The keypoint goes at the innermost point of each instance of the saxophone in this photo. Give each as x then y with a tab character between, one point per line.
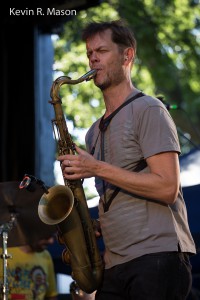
66	207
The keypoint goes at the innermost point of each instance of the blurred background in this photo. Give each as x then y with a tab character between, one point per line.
40	40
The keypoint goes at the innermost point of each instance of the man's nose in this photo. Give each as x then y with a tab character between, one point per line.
94	57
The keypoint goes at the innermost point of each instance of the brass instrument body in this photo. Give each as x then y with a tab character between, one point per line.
66	206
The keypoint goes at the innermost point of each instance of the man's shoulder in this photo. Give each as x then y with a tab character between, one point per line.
146	102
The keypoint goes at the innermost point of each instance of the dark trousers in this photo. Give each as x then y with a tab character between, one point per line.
157	276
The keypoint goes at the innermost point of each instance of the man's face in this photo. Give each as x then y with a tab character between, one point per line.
105	57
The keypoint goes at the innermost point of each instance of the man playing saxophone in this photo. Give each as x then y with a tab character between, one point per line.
132	151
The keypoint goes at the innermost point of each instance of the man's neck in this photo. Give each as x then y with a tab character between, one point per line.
115	96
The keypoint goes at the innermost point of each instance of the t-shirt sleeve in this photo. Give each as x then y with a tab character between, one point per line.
157	132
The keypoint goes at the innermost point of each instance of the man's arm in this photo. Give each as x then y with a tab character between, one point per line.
162	183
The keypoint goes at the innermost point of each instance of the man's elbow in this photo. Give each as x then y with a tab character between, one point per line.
171	193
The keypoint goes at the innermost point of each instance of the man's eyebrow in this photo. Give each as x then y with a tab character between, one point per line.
97	49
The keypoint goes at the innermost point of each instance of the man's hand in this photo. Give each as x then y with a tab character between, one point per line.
77	166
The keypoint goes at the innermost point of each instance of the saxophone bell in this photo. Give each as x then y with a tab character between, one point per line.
55	206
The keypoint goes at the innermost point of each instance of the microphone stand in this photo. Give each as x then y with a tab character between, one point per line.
4	229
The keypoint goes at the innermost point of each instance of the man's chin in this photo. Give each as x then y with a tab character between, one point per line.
99	83
101	86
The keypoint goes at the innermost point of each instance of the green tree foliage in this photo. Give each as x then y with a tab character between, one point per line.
168	38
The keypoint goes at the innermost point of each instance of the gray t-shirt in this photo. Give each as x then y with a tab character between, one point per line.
135	226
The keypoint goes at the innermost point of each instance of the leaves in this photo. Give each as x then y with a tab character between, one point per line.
167	63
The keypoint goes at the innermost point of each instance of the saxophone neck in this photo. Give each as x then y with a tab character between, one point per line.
67	80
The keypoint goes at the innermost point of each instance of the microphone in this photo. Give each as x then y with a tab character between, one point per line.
175	107
29	181
167	105
171	106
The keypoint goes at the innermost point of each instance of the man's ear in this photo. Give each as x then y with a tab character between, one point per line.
129	54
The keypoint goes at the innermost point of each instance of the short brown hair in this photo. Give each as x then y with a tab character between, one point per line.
121	34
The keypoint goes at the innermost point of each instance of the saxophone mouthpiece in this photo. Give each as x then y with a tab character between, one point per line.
89	75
